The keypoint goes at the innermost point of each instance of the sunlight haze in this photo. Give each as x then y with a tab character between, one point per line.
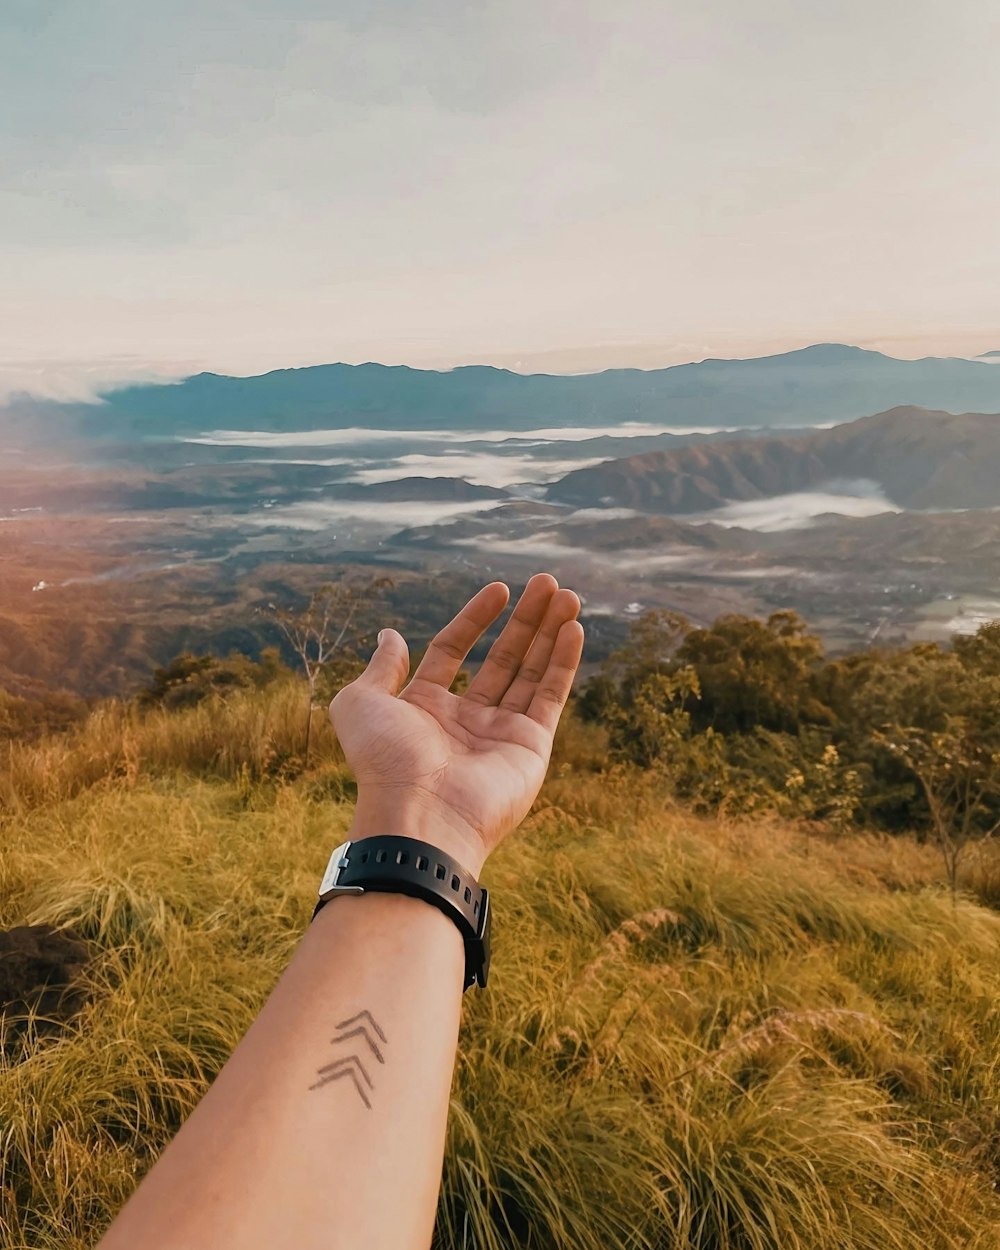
545	186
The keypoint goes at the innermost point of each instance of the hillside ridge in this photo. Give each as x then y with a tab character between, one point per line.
918	457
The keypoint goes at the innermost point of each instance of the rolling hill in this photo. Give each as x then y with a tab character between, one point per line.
920	459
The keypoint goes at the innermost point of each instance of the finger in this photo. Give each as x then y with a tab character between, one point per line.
448	648
563	606
553	690
500	667
389	664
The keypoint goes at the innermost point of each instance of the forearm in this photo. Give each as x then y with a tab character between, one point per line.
314	1134
326	1127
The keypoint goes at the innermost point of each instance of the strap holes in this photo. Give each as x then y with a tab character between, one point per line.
422	862
468	895
364	857
441	872
381	857
475	908
402	857
455	883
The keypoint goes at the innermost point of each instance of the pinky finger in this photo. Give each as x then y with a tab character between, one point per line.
553	690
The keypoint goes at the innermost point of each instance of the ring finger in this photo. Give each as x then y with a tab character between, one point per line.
564	606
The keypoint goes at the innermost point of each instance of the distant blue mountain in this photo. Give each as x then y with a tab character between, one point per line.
829	382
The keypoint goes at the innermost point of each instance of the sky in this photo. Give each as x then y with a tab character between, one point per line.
550	185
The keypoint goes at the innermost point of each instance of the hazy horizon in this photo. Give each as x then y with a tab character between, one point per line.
80	380
545	186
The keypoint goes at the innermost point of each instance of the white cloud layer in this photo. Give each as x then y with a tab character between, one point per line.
481	469
354	435
546	546
974	615
83	381
788	512
325	515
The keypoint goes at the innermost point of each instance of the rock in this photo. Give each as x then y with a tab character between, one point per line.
40	970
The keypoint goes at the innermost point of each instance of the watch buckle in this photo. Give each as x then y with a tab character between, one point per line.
328	887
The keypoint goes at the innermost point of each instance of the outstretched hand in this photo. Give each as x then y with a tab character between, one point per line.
461	771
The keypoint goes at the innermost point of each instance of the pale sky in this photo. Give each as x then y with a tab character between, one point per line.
544	184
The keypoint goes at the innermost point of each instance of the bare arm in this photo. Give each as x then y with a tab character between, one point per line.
326	1127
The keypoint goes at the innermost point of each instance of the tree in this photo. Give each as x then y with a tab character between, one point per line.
649	650
651	647
824	789
336	619
648	730
959	775
188	678
755	673
939	721
29	718
981	651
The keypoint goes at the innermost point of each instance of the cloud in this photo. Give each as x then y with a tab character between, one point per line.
320	516
601	514
482	469
77	381
546	546
973	616
303	438
794	511
361	434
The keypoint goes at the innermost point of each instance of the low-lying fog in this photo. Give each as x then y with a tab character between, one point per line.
782	512
357	434
479	468
324	514
521	463
788	512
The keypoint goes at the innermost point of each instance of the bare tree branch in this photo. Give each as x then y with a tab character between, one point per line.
326	626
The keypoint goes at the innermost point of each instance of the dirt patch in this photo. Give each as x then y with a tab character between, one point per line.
41	972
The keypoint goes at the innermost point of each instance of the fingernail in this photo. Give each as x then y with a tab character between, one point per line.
378	640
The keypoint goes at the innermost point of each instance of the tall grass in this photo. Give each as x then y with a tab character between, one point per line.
245	735
696	1036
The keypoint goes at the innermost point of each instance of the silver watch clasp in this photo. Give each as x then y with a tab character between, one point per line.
328	887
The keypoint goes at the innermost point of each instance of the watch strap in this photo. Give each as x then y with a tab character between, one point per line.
390	863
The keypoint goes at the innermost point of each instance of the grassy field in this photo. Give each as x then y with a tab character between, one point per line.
696	1037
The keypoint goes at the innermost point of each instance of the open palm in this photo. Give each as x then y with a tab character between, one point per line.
462	771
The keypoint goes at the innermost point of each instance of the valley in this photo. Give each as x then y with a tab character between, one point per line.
120	547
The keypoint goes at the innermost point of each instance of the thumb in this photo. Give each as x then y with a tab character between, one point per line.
390	663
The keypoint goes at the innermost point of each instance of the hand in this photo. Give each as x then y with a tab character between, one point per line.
461	771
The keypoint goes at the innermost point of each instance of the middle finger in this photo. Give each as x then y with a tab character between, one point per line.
499	668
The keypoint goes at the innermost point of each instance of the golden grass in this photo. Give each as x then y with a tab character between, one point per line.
696	1037
245	736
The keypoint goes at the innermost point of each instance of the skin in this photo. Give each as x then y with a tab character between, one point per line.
326	1127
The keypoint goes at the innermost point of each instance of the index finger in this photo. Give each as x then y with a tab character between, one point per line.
449	647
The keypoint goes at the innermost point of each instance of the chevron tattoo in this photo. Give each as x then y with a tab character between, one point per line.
365	1026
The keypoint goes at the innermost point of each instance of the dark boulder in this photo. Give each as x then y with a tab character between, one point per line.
41	971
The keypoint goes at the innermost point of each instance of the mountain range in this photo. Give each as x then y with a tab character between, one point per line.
817	385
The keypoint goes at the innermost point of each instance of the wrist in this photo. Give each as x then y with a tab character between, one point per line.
406	816
395	863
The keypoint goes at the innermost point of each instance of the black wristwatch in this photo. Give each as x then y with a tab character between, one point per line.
406	866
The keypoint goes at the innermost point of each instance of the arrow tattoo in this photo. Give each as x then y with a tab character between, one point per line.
350	1065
